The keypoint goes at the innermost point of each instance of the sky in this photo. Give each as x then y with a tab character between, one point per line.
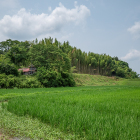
109	27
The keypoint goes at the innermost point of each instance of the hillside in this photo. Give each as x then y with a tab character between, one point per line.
53	54
98	80
54	62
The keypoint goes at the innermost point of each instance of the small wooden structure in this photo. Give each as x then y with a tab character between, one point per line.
28	71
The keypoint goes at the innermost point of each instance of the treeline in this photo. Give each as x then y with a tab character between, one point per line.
53	65
59	57
91	63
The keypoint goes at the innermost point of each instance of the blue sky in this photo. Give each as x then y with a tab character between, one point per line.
99	26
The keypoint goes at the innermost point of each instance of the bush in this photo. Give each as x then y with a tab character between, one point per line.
8	69
27	82
120	72
68	80
7	81
10	81
51	78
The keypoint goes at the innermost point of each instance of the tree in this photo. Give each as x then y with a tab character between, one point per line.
51	78
49	56
18	54
61	57
8	69
120	72
6	45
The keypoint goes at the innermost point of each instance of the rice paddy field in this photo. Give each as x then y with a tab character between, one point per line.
88	113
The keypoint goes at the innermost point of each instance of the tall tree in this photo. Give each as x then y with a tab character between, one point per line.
49	56
18	55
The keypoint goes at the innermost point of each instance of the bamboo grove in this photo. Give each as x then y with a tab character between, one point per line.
62	56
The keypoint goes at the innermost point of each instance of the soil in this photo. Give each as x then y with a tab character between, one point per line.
3	137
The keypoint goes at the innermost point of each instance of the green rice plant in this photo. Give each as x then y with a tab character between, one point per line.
87	112
25	127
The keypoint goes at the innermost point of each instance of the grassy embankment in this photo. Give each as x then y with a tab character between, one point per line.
80	79
95	80
100	112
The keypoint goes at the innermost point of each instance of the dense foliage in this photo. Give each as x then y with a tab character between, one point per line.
49	56
18	54
58	58
8	69
51	78
11	81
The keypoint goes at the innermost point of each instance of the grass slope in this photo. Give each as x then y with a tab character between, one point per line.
98	80
94	80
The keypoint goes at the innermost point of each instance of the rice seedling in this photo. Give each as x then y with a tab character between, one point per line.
86	112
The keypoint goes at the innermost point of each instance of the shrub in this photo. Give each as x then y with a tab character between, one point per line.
27	82
8	69
68	80
51	78
11	81
7	81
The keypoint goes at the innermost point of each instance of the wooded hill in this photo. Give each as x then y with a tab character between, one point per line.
52	54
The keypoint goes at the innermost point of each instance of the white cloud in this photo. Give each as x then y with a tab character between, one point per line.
25	25
50	8
132	55
75	3
135	30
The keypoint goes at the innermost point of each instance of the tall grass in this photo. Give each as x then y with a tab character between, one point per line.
95	80
90	113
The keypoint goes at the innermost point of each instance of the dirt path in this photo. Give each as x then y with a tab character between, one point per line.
3	137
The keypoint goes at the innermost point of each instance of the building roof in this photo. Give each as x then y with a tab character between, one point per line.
26	69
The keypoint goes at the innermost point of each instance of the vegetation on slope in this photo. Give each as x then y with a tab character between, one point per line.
95	80
61	57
